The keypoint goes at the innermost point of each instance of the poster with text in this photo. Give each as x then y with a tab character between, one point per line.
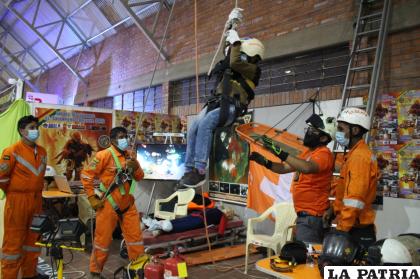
409	169
408	106
71	137
150	123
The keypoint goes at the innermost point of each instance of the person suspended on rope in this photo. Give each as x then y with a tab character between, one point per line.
313	175
237	75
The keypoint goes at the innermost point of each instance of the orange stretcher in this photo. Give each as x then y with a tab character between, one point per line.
253	133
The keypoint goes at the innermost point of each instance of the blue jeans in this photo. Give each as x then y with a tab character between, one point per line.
200	137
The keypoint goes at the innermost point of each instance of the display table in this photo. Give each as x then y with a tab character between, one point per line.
55	193
301	271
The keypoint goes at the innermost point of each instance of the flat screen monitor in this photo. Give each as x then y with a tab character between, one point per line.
162	161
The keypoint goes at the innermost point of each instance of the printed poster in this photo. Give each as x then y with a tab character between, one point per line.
409	169
409	117
151	123
72	137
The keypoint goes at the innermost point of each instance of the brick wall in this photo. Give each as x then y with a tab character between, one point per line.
129	55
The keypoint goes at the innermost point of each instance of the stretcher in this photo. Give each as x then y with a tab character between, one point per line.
193	240
253	133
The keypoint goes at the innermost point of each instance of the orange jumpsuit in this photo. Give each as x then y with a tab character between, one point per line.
22	169
103	166
356	189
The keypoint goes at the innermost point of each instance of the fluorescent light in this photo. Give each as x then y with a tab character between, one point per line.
287	71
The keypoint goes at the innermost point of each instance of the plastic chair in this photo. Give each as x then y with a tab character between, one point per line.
285	217
180	208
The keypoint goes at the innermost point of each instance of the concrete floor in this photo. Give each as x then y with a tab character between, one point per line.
80	262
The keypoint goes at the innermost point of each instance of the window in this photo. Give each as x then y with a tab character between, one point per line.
183	92
134	101
313	69
319	68
102	103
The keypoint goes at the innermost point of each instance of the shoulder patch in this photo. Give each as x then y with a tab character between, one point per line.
6	157
4	167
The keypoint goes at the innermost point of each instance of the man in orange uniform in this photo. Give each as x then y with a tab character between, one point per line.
22	168
118	171
356	189
311	185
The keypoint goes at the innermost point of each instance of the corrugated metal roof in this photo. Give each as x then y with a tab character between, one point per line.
87	22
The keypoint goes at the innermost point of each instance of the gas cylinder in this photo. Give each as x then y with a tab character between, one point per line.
171	266
154	269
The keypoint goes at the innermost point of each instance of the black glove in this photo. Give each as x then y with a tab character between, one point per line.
274	148
260	159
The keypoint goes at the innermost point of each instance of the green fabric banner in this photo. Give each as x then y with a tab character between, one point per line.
8	122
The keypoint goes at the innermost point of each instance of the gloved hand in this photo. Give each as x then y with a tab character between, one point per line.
2	195
235	14
232	36
260	159
95	202
132	164
328	217
274	148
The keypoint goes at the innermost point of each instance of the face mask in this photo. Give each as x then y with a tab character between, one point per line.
341	139
122	144
311	140
33	135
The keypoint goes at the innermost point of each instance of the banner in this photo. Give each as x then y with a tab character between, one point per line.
228	169
266	187
395	139
71	137
151	123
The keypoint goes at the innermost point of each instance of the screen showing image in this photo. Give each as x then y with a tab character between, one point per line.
162	161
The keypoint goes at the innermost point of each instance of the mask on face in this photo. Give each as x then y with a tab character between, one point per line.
122	144
341	139
311	140
33	135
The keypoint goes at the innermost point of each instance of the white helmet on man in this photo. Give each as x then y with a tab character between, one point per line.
394	252
355	116
252	47
49	172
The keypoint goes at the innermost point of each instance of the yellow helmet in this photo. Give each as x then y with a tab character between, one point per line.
252	47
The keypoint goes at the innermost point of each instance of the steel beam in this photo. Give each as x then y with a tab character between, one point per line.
16	60
143	29
17	74
43	39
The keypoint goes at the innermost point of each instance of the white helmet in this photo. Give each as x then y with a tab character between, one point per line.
394	252
49	172
327	124
252	47
355	116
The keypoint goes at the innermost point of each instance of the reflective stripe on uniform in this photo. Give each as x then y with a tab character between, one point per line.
105	250
134	243
10	257
4	180
86	177
31	249
354	203
22	161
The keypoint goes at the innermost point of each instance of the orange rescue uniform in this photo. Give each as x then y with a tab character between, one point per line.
310	191
22	169
103	166
356	189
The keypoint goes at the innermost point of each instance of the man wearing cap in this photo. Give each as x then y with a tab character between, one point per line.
311	185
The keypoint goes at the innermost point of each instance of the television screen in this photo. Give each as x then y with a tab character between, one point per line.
162	161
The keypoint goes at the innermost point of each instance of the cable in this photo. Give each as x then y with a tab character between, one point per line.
196	58
82	273
153	75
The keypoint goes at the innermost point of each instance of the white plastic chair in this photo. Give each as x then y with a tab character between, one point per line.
180	208
285	218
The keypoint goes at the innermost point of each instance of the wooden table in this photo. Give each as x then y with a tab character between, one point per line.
301	271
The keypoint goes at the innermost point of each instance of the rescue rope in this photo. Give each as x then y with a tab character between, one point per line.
220	43
197	109
153	76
